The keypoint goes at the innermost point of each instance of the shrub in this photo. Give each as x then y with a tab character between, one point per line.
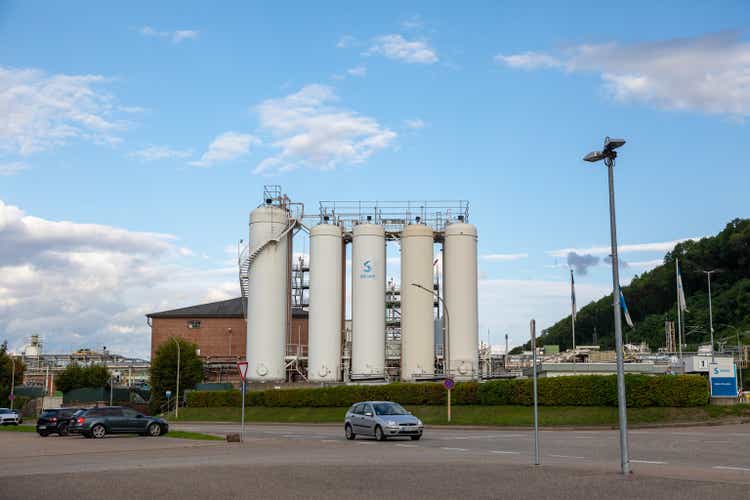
583	390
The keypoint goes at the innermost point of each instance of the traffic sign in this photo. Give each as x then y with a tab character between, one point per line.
169	394
12	397
242	367
449	383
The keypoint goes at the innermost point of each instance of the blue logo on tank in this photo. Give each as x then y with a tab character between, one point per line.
366	271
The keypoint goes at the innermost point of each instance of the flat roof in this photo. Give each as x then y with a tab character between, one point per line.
232	308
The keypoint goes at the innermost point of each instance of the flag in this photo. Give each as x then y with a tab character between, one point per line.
624	308
680	290
573	295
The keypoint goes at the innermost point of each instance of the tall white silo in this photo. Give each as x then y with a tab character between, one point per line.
417	305
324	351
460	284
268	294
368	301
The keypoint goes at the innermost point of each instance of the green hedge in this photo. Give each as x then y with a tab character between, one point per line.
583	390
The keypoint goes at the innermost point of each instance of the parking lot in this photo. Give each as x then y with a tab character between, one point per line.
283	461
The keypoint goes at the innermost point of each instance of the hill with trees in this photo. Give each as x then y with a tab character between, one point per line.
651	297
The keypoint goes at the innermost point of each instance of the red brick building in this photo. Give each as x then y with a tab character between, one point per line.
219	330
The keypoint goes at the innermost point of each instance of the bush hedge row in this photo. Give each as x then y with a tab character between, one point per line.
583	390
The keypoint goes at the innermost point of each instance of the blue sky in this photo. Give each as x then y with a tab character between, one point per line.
160	124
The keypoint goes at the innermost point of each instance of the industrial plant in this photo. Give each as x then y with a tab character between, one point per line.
423	327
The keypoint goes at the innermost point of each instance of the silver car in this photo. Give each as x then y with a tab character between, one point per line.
381	419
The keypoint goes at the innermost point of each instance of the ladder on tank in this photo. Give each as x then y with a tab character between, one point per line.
246	258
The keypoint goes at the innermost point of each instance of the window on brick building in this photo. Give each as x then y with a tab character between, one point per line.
193	323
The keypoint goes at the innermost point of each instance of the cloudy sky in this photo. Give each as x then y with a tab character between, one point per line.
135	139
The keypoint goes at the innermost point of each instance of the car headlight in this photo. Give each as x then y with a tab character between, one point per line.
419	422
392	423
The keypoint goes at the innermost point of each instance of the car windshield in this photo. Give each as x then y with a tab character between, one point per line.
389	409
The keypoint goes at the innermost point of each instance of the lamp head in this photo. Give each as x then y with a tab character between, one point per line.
612	144
594	156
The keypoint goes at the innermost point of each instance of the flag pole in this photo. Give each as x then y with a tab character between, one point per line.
679	305
573	308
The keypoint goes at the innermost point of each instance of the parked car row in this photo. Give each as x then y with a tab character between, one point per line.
98	422
10	417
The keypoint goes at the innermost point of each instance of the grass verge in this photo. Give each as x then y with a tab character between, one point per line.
482	415
193	435
18	428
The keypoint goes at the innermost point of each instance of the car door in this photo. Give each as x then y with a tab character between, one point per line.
134	420
368	419
116	421
357	422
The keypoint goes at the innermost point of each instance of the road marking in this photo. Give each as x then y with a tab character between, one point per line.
727	467
566	456
717	442
454	449
329	441
407	445
655	462
293	436
581	437
501	452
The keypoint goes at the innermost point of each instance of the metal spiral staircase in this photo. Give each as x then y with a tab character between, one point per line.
247	257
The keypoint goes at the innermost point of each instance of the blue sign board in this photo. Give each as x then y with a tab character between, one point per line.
723	378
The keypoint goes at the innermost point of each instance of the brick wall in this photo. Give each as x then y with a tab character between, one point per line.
213	337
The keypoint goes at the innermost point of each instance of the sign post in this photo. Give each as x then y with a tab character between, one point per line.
168	394
536	400
448	384
242	367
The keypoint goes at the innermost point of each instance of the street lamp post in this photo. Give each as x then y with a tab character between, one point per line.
12	381
177	390
446	334
608	154
710	311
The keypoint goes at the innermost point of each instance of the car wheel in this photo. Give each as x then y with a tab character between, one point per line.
349	432
154	430
62	430
44	434
379	435
416	438
98	431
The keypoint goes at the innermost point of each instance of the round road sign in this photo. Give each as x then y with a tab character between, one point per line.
449	383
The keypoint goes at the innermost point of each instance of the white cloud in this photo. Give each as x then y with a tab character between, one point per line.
88	285
41	111
504	257
153	153
228	146
398	48
415	123
345	41
12	168
357	71
309	131
707	73
663	247
175	36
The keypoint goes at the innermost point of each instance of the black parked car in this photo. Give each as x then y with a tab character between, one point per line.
97	422
55	421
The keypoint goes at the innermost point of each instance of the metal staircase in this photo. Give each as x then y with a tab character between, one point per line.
246	257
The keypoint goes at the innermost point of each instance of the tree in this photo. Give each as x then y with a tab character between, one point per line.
164	370
76	376
6	373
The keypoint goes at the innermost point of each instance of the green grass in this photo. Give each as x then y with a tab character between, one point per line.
482	415
18	428
193	435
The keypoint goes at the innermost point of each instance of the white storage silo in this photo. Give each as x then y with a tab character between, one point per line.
417	305
460	284
268	294
324	351
368	301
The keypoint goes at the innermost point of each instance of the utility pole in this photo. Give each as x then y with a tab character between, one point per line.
12	381
710	311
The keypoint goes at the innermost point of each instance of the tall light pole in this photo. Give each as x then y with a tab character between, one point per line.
446	335
12	381
608	154
177	390
710	311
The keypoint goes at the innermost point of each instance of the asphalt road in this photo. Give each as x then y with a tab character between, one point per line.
307	461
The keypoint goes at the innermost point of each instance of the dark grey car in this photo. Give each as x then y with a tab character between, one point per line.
97	422
381	419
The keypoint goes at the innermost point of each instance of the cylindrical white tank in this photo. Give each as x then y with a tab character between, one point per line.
268	294
417	316
368	301
460	284
324	351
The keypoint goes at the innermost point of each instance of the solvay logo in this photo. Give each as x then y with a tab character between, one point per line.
716	370
366	270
